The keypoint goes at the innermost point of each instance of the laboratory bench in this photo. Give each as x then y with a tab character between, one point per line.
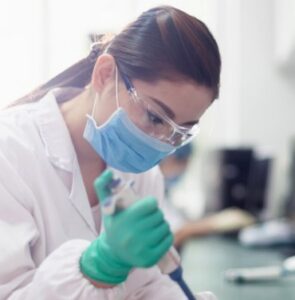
206	259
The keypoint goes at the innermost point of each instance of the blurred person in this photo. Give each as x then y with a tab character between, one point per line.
132	101
227	220
173	168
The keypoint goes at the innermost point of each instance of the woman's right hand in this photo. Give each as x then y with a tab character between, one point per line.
135	237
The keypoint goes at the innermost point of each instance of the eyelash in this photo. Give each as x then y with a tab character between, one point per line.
153	118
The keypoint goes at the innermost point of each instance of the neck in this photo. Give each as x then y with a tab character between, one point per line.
74	113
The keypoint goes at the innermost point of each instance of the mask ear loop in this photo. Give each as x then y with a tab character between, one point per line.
116	87
116	91
94	105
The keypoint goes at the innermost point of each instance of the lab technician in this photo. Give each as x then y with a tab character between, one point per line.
130	103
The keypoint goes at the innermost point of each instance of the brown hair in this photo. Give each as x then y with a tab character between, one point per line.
161	42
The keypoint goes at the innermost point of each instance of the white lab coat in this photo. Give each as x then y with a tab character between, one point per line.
46	221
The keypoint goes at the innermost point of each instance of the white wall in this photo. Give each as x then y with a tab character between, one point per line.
257	100
267	94
22	61
72	21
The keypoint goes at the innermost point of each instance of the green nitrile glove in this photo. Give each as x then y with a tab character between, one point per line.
135	237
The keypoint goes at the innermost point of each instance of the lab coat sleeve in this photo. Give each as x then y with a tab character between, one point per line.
156	286
58	277
22	277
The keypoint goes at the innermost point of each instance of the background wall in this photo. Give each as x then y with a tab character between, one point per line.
257	102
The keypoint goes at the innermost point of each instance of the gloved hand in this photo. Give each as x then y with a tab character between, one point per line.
135	237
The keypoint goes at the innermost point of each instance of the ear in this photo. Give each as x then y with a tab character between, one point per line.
103	71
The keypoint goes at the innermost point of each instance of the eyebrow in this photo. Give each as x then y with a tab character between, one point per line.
171	114
167	110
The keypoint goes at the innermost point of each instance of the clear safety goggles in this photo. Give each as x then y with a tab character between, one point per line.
151	119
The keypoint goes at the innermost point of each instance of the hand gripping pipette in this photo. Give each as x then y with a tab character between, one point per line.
121	195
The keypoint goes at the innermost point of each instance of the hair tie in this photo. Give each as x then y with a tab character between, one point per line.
95	50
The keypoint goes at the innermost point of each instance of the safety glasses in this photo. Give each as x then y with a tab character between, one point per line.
151	118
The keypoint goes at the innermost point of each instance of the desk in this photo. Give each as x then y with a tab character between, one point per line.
206	259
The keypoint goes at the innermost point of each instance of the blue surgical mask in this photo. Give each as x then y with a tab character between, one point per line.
123	146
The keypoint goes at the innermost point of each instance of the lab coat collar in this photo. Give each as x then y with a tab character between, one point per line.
54	133
61	153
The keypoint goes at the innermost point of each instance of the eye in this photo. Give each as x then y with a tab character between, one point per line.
153	118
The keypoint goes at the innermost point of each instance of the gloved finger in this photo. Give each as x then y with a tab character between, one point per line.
158	235
101	185
161	249
205	296
151	221
143	207
139	210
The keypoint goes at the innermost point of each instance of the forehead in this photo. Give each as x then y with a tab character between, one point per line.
186	99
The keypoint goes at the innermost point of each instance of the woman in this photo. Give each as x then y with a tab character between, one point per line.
130	103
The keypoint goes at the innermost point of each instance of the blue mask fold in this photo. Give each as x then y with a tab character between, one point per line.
123	146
